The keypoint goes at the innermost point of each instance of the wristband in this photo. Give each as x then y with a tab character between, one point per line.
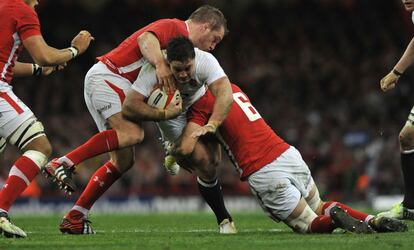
211	125
36	70
74	51
397	72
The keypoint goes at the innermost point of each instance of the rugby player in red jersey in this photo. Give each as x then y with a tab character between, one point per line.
275	171
20	28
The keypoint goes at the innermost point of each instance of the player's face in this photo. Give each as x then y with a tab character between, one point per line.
208	38
408	4
183	71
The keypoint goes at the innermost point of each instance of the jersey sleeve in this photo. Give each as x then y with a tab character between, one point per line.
208	69
164	30
200	111
27	22
146	80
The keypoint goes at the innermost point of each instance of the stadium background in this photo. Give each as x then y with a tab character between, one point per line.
312	69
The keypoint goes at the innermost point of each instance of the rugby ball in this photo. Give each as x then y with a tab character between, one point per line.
160	99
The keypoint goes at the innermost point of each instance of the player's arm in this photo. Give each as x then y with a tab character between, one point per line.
31	69
389	81
221	90
136	109
151	49
45	55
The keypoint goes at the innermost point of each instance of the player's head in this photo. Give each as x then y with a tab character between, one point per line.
408	4
31	3
210	26
180	56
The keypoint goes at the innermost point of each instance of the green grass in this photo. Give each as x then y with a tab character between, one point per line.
191	231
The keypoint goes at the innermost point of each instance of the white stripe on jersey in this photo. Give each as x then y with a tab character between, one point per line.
412	16
132	66
16	45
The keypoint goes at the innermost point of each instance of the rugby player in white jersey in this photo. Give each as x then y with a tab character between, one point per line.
194	71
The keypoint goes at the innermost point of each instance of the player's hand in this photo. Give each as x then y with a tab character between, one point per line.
50	69
173	109
165	77
208	128
389	81
81	41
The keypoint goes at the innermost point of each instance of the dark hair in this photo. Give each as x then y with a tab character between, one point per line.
180	49
211	15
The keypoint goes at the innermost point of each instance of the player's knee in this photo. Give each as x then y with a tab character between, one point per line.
130	136
37	157
406	139
183	150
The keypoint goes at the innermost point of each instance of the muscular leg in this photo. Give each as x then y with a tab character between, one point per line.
120	162
24	170
407	161
205	158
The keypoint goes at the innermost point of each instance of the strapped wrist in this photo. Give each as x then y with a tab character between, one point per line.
36	69
74	51
396	72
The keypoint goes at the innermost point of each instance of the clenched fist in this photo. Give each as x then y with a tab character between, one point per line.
389	81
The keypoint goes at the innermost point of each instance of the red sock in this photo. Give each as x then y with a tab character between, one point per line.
322	224
100	181
20	176
354	213
103	142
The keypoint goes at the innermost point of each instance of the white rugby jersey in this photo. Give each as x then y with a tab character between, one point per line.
207	70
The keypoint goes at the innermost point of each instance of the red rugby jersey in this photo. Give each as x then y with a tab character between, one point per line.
126	59
17	22
251	142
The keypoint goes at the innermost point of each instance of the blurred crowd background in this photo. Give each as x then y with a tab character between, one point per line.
311	68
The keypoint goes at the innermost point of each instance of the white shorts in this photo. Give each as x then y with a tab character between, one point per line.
172	129
104	93
280	184
13	112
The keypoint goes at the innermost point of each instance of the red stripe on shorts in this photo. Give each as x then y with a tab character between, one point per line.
117	90
10	101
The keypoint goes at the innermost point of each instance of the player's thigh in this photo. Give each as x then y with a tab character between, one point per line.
104	94
276	195
123	159
407	133
172	129
13	112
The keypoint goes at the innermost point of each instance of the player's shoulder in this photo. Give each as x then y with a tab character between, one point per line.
203	57
20	6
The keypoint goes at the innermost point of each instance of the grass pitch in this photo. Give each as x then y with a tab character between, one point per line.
192	231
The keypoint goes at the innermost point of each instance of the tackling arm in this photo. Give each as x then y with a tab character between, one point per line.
221	90
151	49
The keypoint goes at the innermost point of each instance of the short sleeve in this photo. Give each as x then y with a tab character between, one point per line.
146	80
208	68
200	111
27	22
165	30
